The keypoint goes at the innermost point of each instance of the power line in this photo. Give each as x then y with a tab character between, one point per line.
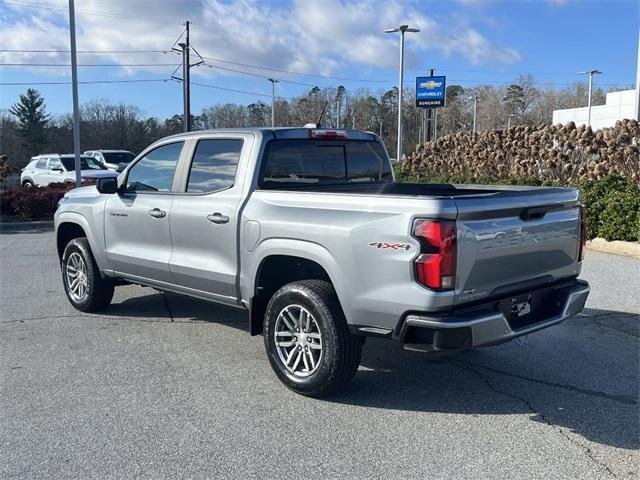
246	92
87	64
146	80
84	51
258	75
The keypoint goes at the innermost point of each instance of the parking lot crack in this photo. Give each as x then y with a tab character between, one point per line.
167	305
587	451
625	399
599	322
48	317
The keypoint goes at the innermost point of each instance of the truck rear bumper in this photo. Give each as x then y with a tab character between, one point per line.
491	324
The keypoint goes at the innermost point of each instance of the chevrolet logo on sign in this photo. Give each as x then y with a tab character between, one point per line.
431	91
430	84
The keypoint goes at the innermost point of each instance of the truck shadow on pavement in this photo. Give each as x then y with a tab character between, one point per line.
581	376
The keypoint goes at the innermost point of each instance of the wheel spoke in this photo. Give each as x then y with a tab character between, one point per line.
314	335
290	356
304	359
285	344
313	361
295	364
284	334
293	319
315	346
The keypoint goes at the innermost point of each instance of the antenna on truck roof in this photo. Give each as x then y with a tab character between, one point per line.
322	114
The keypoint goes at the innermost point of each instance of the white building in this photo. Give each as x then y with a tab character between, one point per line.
619	105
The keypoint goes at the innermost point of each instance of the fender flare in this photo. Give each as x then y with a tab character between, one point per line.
97	247
294	248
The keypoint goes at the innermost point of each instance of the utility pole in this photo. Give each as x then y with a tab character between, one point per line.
273	101
186	51
337	112
74	89
591	73
402	29
185	48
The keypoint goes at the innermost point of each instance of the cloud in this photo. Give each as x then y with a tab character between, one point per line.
299	35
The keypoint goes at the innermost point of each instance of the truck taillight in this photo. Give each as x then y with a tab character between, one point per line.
436	265
583	233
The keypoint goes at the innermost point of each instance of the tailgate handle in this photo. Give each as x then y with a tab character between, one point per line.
534	213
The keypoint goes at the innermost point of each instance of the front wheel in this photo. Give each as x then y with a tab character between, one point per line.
307	340
85	288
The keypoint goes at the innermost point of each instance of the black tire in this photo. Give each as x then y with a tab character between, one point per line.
341	350
99	291
27	184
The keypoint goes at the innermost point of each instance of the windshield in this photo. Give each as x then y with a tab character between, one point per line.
118	157
322	161
86	163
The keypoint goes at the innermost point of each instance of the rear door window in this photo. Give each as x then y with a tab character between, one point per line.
214	165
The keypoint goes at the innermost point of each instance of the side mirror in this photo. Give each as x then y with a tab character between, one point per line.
107	185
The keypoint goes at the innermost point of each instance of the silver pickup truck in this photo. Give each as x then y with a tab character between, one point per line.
306	230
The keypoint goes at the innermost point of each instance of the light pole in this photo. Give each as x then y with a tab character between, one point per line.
402	29
475	112
273	101
74	91
591	73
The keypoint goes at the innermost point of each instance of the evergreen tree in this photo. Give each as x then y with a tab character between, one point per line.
32	120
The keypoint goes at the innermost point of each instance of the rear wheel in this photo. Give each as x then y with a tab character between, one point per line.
85	288
307	340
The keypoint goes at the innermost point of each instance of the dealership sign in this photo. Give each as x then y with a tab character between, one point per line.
430	91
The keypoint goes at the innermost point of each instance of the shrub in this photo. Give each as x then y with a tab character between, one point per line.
613	208
33	203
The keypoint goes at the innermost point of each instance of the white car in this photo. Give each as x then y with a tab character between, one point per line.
54	168
112	159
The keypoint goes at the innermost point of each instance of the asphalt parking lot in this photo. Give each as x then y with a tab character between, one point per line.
165	386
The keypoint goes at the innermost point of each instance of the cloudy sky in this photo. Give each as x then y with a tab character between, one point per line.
305	43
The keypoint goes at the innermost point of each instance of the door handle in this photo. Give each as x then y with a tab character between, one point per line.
217	218
157	213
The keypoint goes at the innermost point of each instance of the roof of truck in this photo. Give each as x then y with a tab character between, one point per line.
278	132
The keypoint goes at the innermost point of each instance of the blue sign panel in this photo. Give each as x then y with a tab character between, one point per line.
431	91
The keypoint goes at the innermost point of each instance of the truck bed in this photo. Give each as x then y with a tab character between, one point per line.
417	189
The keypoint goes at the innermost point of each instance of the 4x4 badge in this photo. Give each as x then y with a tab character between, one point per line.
391	246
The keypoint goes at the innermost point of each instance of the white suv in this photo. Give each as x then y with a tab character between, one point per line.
54	168
112	159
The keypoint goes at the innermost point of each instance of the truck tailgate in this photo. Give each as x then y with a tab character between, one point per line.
514	240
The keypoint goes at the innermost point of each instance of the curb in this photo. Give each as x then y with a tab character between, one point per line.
26	226
617	247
